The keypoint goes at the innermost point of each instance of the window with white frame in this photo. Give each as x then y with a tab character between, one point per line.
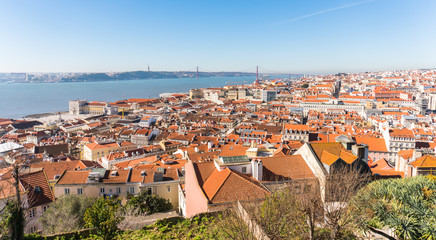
67	191
102	190
79	191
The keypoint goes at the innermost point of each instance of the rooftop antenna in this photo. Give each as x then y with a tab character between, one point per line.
197	72
148	67
257	73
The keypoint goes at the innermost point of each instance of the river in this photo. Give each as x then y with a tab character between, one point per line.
20	99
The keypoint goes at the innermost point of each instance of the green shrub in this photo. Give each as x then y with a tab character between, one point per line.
149	204
405	205
103	217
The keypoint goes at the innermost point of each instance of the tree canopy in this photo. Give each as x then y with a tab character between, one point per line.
66	214
103	216
149	204
407	206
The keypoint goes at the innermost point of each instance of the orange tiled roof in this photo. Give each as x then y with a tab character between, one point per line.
117	176
57	168
427	161
94	145
406	154
170	174
203	171
203	156
328	158
381	164
387	173
230	186
297	127
142	131
286	167
215	181
233	150
6	186
374	144
126	143
135	162
328	153
74	177
32	181
347	157
333	148
401	133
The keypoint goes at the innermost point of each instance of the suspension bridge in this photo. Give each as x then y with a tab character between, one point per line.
258	71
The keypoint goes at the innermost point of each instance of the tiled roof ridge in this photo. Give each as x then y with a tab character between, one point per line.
51	191
420	161
347	154
35	179
328	154
246	178
325	143
222	184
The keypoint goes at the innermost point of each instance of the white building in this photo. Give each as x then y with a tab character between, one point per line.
432	101
398	140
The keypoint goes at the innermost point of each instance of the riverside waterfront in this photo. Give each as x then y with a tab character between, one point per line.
20	99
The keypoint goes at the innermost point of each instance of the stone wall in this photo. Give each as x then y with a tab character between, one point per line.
252	225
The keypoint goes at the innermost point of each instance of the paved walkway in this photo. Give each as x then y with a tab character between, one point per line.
138	222
150	219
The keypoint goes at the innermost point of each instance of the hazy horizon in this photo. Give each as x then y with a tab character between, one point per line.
254	72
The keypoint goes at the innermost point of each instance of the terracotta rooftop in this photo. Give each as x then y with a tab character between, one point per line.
374	144
381	164
233	150
334	148
230	186
39	192
74	177
406	154
426	161
289	167
53	169
328	158
6	187
203	171
382	168
94	145
401	133
117	176
328	153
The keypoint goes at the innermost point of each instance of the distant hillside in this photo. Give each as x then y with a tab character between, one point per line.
91	77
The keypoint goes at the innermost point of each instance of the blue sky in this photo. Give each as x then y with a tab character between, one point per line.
304	36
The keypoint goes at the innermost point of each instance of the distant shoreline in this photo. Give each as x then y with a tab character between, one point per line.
40	115
43	99
121	76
